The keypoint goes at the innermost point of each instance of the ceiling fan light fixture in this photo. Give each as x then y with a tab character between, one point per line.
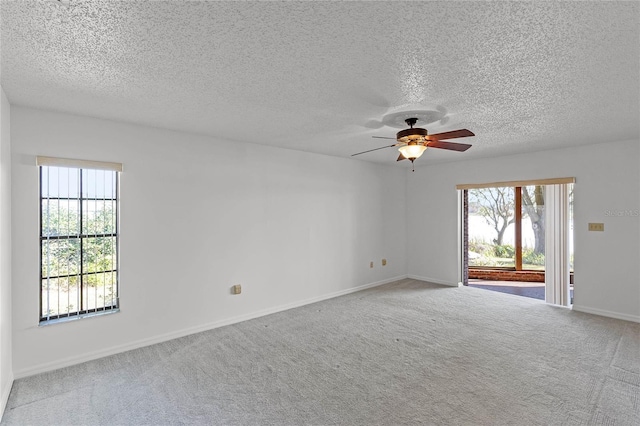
411	152
412	135
413	142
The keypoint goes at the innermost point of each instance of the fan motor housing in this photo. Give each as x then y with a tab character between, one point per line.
412	135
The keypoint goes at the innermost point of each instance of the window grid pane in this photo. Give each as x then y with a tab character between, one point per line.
78	242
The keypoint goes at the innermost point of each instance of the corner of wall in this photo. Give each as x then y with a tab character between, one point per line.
6	335
4	395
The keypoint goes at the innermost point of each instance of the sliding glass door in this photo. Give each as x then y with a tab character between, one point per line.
519	232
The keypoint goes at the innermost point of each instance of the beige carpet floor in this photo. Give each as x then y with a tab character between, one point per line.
404	353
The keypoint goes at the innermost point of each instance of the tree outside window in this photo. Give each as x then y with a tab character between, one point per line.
493	224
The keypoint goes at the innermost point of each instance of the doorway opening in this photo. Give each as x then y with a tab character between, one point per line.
510	230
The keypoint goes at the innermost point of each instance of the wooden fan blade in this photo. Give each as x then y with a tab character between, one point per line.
374	149
382	137
401	157
452	146
462	133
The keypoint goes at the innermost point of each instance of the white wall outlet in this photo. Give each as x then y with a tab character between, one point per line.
236	289
384	262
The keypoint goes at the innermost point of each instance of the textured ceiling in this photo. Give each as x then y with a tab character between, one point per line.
326	76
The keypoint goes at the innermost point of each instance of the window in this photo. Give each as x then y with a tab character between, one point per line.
492	216
78	239
506	227
506	224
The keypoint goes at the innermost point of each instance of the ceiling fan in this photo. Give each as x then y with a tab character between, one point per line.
412	142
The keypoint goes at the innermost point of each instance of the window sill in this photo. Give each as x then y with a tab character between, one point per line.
78	317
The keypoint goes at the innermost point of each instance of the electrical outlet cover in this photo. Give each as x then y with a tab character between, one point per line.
596	227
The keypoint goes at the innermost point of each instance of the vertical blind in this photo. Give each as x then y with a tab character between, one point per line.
557	260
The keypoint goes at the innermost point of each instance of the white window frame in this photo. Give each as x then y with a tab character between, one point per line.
46	317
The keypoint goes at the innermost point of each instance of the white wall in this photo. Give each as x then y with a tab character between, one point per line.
197	216
607	276
6	369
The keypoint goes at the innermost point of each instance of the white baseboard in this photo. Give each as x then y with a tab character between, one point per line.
603	313
433	280
6	390
41	368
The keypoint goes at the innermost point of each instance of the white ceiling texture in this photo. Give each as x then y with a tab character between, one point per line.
326	76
